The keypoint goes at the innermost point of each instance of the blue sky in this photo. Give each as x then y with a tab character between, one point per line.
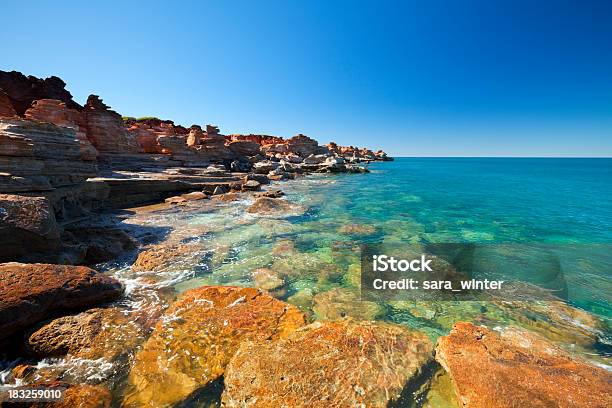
416	78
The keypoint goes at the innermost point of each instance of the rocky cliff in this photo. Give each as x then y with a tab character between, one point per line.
78	159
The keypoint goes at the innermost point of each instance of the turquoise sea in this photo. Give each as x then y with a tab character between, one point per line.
525	215
546	211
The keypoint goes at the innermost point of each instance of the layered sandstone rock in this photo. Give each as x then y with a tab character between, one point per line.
262	140
518	368
41	154
158	257
147	130
196	338
56	112
106	129
30	292
331	364
27	224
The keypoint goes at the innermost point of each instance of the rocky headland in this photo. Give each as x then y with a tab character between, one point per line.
70	174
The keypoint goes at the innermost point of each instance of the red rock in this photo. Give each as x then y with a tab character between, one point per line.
23	90
195	136
106	130
196	338
43	151
244	148
261	140
29	293
6	108
331	364
93	334
274	207
518	369
56	112
27	224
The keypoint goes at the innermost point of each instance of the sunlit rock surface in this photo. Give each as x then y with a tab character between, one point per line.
196	338
332	364
518	368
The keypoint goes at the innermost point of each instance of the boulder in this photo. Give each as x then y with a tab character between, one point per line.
327	364
93	334
240	166
315	159
261	178
196	338
264	167
274	207
275	193
27	224
251	185
31	292
517	368
97	244
304	146
221	189
157	257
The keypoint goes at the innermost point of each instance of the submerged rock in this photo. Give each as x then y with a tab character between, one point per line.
330	364
357	229
518	368
29	293
157	257
338	303
266	279
274	207
195	339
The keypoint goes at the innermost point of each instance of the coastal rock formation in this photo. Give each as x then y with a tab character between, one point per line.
6	107
274	207
518	368
330	364
30	292
106	129
197	336
147	130
23	90
93	334
42	155
27	224
56	112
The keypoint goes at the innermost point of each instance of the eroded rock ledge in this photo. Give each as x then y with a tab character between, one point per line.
75	160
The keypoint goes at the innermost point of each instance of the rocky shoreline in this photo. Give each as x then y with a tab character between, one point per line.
69	173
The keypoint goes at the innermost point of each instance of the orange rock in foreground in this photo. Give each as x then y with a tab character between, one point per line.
331	364
196	338
518	369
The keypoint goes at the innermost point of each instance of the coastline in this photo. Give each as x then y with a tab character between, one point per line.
216	301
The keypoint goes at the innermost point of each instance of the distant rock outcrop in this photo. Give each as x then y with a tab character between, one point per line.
106	129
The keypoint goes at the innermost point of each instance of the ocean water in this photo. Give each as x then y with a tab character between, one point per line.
523	213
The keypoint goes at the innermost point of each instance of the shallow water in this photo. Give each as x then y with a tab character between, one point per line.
563	203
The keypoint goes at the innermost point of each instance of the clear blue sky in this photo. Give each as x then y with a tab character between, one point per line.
416	78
